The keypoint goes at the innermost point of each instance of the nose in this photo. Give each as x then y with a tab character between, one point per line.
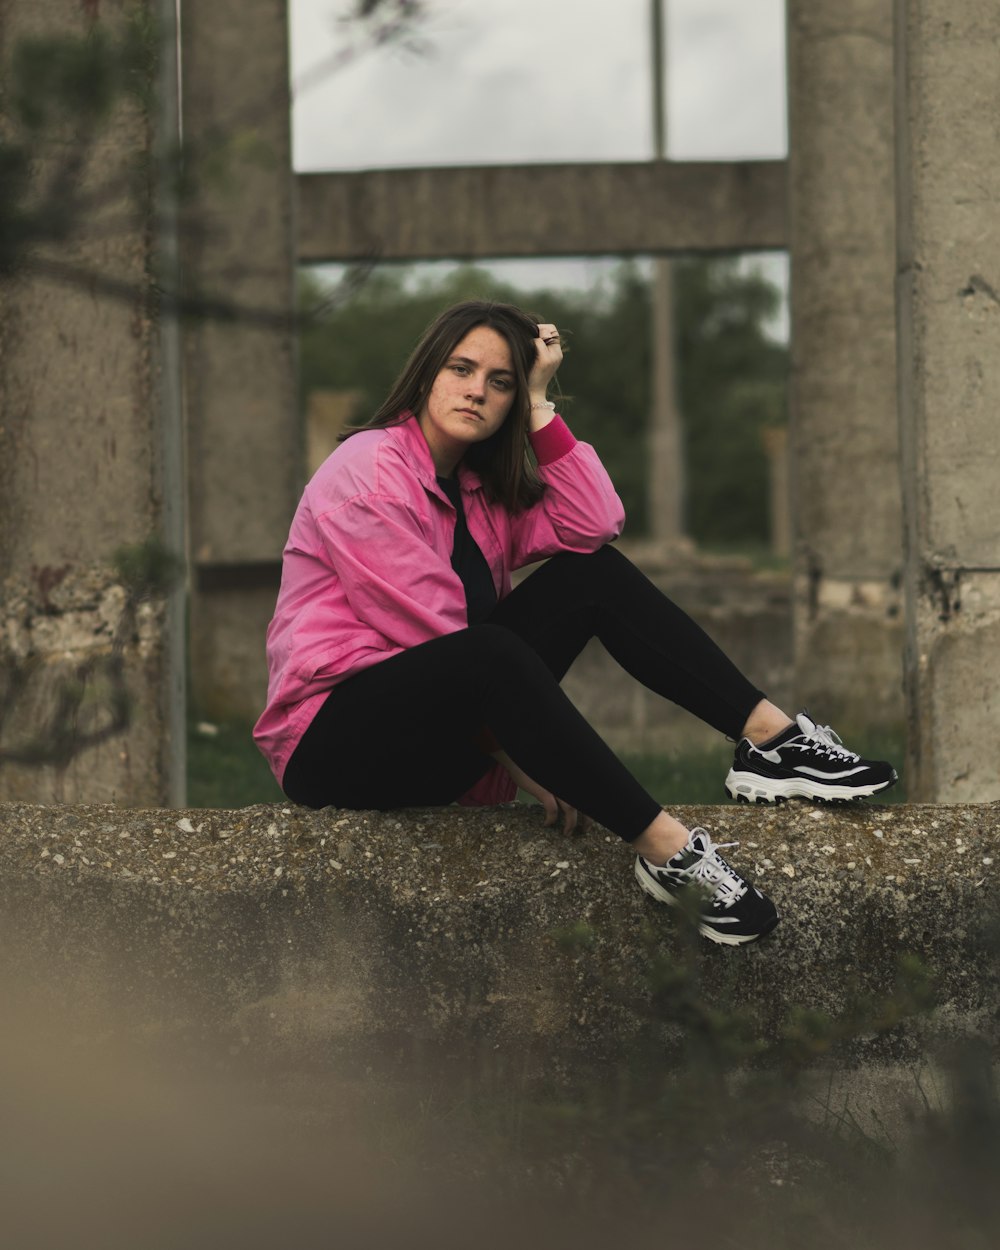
475	387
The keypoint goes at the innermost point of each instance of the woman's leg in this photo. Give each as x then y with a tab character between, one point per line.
403	733
575	597
602	595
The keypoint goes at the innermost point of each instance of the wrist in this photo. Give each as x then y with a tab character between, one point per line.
540	401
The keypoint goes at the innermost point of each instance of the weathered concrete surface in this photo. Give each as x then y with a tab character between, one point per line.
77	652
235	606
81	441
244	433
847	512
542	210
949	391
316	930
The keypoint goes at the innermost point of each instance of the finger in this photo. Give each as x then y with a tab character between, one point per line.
551	805
570	817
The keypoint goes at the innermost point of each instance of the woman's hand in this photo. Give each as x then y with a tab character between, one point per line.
548	358
554	807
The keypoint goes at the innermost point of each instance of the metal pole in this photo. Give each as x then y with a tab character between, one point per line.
172	474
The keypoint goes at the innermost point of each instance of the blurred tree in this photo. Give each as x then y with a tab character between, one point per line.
731	374
731	379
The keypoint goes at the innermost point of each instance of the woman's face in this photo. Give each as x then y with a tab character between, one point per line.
470	398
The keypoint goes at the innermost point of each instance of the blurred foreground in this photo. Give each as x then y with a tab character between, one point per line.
121	1130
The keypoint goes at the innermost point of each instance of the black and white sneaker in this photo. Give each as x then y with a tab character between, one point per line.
805	761
733	911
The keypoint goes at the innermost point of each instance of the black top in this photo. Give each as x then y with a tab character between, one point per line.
468	561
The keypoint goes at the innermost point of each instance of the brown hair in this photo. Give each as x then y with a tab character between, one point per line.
503	460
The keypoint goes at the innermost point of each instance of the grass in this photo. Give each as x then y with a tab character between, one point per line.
225	769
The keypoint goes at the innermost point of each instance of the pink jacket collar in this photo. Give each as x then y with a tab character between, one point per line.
409	436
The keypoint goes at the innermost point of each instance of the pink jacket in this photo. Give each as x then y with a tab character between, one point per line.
366	571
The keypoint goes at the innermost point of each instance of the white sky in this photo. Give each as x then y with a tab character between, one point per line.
512	81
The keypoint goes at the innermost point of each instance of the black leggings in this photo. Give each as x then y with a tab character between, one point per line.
404	732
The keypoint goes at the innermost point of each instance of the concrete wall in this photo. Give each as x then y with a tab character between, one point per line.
244	436
85	681
845	457
949	345
438	925
241	1017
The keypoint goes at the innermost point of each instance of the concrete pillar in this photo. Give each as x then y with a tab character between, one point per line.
847	511
666	458
948	95
244	436
666	461
89	706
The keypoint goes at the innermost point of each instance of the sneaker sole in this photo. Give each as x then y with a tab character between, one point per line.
661	895
752	788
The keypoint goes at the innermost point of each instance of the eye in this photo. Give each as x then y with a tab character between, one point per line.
460	369
502	384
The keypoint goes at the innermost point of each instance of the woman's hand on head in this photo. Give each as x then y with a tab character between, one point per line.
548	358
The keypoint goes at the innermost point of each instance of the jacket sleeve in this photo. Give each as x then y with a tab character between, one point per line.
580	510
394	580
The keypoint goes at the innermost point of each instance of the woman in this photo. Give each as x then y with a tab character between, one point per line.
405	671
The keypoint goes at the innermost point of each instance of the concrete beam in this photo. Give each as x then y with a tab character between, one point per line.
949	390
542	210
845	444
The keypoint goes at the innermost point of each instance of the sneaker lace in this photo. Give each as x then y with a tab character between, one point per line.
829	742
712	871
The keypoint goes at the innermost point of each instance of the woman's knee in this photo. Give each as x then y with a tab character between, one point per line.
584	561
502	650
497	642
593	570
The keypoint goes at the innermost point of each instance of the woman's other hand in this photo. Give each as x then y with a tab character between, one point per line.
555	808
548	358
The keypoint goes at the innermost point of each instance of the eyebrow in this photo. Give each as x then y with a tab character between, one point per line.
467	360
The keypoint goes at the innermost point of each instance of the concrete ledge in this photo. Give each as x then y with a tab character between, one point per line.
439	924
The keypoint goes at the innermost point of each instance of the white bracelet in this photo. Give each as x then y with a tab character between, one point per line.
544	403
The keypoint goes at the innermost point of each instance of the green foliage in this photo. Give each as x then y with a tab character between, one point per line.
715	1102
731	375
225	769
147	568
731	380
685	777
724	1123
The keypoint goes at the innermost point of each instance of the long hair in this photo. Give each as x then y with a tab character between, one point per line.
503	460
